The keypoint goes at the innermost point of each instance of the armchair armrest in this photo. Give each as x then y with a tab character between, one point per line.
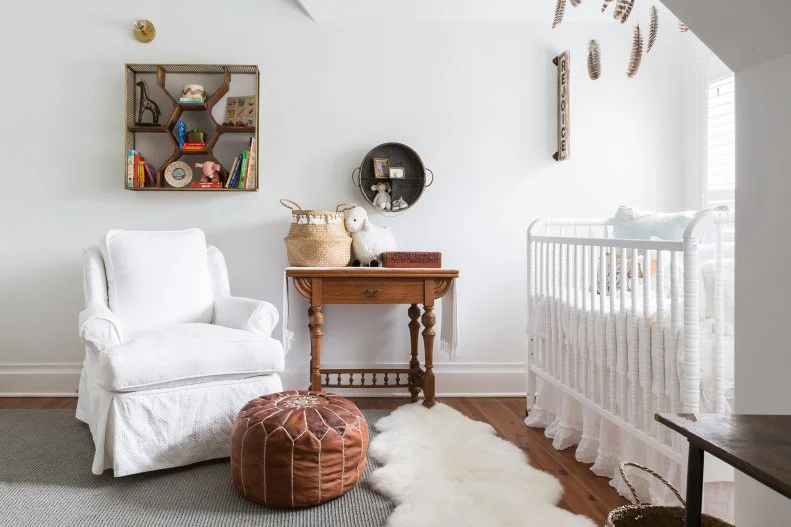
247	314
100	329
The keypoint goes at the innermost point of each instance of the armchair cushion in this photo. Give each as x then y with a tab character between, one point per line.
99	327
246	314
157	278
187	354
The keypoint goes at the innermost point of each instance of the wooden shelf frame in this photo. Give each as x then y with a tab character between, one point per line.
169	128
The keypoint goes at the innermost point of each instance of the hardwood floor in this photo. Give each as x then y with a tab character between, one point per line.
585	493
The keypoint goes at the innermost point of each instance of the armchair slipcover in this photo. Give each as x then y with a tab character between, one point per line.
170	355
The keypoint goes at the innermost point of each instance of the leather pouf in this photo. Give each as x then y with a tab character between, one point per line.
298	448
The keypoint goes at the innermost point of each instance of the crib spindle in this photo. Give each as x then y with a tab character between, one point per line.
645	345
633	363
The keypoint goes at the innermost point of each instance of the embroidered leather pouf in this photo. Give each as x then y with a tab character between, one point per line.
298	448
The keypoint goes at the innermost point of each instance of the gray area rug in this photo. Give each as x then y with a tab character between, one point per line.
46	481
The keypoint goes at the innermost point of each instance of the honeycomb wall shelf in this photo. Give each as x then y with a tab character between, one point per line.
163	134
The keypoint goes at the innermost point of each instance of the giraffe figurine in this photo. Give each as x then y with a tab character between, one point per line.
146	104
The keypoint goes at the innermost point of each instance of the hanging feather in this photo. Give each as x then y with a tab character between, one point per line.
560	10
623	9
605	5
654	29
682	27
594	60
636	56
575	3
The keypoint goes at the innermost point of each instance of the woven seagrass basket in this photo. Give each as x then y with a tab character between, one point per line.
317	238
639	515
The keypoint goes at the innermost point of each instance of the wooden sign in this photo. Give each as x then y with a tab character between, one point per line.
563	62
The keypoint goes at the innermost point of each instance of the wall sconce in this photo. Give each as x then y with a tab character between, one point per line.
144	31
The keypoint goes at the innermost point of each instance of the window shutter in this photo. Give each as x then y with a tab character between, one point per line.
720	187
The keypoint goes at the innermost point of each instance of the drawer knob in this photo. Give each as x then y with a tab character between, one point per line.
370	293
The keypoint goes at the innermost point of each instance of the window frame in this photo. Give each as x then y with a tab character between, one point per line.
711	70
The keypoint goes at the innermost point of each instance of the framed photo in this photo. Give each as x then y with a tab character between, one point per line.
396	172
381	167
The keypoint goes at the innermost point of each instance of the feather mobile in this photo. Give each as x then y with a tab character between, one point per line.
605	5
682	27
654	29
623	9
560	11
575	3
636	56
594	60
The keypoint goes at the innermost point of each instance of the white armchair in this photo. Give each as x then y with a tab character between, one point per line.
170	355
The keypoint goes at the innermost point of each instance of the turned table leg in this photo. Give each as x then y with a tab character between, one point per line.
316	333
428	344
414	363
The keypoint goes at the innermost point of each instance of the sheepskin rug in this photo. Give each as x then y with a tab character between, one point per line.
441	468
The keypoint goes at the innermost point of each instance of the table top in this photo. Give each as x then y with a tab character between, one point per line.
758	445
369	272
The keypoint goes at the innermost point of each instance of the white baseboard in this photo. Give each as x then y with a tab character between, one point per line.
39	380
458	379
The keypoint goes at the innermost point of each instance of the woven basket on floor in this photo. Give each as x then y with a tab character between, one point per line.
639	515
317	238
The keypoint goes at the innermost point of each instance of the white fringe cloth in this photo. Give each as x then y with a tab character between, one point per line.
449	320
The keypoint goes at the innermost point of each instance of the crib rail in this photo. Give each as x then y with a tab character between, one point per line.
644	297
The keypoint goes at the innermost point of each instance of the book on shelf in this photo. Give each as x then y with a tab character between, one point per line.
243	170
197	145
206	184
191	100
250	182
130	168
233	174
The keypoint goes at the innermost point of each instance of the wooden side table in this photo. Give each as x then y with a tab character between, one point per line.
366	285
757	445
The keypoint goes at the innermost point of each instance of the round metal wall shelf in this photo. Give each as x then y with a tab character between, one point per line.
403	189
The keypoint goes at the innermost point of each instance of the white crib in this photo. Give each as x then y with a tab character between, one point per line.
626	348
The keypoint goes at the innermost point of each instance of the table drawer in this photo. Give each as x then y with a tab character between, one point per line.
361	291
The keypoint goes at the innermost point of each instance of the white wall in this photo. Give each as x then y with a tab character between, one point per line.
476	100
763	186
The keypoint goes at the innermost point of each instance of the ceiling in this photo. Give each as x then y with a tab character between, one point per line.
743	33
541	11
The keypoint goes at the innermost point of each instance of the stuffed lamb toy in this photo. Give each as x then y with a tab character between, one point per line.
368	240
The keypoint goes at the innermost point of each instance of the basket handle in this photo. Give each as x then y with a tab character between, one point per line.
342	207
357	171
287	203
655	474
432	177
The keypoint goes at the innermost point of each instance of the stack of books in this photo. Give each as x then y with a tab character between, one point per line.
196	99
243	171
137	173
193	147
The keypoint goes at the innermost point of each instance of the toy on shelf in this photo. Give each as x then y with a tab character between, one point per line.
400	204
146	104
210	169
181	133
382	200
196	135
